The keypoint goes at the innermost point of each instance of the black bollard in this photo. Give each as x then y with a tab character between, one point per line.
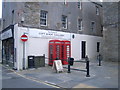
86	59
69	65
99	58
87	66
87	69
69	68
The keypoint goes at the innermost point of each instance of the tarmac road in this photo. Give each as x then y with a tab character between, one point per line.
10	79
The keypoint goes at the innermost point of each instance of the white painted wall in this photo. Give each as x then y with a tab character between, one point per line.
91	46
18	32
38	46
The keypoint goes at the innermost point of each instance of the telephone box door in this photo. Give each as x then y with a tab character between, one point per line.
66	51
54	50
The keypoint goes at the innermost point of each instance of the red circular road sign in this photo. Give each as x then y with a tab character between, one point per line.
24	38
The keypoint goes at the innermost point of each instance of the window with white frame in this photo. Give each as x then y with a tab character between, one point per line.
92	25
79	4
12	16
79	24
65	2
43	18
64	21
97	10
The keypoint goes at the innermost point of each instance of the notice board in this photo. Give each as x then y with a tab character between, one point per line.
57	65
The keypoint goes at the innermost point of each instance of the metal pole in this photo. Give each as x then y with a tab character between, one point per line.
87	69
87	66
99	60
69	68
23	55
86	59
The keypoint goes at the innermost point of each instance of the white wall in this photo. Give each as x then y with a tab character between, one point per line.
18	32
38	46
91	46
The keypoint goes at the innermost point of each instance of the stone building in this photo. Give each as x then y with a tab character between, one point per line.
27	14
78	22
0	40
0	24
111	32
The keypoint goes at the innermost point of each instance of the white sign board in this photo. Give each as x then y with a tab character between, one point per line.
6	34
57	65
36	33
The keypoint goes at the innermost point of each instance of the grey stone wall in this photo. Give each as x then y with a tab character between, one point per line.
30	14
119	30
0	24
0	41
110	33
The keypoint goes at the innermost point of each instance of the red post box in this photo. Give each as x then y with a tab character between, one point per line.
66	51
54	51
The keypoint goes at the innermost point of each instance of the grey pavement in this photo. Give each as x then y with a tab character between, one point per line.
105	76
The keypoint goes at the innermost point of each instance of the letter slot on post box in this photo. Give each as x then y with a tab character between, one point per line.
54	51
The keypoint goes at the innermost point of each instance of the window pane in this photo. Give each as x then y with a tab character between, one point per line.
79	24
97	10
78	4
92	25
64	21
43	17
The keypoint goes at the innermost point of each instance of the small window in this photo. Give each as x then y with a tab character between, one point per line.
12	16
4	4
64	22
3	23
79	24
43	18
101	28
79	5
97	10
65	2
92	25
98	46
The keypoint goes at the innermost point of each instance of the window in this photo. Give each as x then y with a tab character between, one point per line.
65	2
4	4
43	18
92	25
64	22
79	4
79	24
3	23
101	28
98	46
97	10
12	16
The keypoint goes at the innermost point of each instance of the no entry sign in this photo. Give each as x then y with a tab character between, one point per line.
24	38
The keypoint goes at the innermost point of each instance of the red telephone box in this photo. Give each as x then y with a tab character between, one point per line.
66	51
54	50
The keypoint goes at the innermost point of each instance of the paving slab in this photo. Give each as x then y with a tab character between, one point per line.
105	76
